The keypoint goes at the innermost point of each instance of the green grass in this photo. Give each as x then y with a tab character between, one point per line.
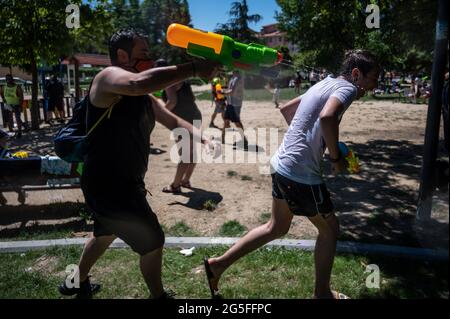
180	229
246	178
232	229
39	235
288	94
209	205
394	97
265	217
257	95
232	173
274	273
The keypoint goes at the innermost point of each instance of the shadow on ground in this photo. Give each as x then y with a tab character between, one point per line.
409	279
43	219
200	199
393	221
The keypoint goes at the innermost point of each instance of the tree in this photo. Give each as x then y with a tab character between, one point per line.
325	29
30	32
97	25
158	15
127	14
237	26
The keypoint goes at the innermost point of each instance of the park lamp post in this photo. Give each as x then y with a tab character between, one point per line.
427	181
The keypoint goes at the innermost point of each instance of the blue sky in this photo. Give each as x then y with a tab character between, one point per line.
207	13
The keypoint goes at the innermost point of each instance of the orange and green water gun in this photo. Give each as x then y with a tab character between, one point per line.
353	161
252	58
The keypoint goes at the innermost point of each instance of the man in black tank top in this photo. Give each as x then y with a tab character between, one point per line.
117	157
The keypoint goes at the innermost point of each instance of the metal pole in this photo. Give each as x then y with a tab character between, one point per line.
427	183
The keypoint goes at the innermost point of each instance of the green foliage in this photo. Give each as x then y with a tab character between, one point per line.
237	26
32	32
157	15
96	27
324	30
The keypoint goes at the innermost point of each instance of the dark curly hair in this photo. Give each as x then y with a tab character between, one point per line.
124	39
362	60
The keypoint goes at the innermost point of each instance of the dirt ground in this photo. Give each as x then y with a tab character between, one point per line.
378	205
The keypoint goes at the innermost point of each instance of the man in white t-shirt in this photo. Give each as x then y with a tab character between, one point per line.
298	187
235	97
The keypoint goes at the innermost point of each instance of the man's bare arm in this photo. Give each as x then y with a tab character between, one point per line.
117	81
329	121
114	82
289	109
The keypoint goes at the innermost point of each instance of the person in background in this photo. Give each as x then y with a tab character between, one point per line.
12	96
235	94
298	82
276	96
55	94
180	100
220	101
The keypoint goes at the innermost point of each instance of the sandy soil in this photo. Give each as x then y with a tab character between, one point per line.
377	205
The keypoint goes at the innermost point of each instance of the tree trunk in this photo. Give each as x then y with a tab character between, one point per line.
34	96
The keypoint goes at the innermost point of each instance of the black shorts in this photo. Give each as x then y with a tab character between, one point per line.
302	199
55	104
130	219
233	114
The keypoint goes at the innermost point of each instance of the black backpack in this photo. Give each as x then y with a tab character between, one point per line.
71	140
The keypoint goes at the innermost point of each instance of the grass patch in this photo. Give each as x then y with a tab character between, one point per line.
85	215
258	95
210	205
394	97
246	178
180	229
232	173
40	235
264	217
232	228
287	94
265	273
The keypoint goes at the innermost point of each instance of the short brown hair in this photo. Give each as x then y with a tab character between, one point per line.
362	60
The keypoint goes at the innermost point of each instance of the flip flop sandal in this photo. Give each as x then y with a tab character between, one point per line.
339	295
172	190
186	184
209	276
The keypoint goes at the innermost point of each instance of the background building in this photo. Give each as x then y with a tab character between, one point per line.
273	38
